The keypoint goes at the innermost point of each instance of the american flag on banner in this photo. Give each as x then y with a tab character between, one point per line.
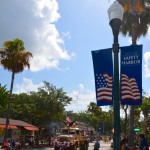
103	87
129	89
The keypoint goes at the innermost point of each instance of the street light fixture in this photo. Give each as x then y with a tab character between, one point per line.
115	13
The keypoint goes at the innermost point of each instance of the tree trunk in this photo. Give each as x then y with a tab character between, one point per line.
9	107
125	125
131	133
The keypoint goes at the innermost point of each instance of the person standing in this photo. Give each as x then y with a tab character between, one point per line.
143	144
123	144
97	144
13	145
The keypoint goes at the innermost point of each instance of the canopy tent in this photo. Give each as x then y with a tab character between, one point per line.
31	128
16	124
9	126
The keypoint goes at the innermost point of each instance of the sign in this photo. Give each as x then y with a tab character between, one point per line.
103	72
131	75
136	129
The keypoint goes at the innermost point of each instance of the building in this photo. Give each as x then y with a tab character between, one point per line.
15	127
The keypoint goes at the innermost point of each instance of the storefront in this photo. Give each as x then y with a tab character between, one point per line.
16	128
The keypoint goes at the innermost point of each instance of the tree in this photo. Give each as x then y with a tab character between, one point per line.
100	119
23	107
14	58
41	108
125	108
3	99
93	108
135	23
49	104
136	19
145	109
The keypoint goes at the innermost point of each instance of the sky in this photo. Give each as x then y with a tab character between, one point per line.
61	35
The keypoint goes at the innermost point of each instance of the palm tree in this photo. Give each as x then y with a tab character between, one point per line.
136	19
13	58
135	24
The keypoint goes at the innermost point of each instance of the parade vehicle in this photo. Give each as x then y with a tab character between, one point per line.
71	138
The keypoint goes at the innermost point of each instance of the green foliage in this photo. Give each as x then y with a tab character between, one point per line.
42	107
136	18
100	119
82	117
93	108
22	107
3	99
145	107
13	56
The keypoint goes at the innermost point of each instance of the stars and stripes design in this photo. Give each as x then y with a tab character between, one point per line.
103	72
104	87
68	119
131	75
129	89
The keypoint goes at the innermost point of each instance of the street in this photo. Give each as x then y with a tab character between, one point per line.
103	146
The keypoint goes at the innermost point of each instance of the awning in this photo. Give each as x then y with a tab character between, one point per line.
9	126
31	128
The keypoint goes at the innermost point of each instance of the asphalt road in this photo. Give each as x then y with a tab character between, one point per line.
103	146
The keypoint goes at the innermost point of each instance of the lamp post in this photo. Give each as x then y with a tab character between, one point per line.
115	13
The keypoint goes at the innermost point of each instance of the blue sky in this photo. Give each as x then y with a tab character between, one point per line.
61	35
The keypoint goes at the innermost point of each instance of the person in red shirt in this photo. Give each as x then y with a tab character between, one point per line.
6	145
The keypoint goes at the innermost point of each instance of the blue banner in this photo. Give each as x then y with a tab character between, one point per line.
131	75
103	72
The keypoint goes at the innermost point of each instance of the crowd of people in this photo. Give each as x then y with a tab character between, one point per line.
11	144
142	144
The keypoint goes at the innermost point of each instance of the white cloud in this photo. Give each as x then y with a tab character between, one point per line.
66	35
81	86
147	64
81	99
47	9
34	23
26	86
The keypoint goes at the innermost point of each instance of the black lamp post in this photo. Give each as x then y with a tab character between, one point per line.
115	13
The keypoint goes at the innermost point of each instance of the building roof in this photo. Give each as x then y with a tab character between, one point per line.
18	123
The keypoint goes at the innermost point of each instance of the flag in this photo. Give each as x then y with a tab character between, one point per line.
104	87
103	72
129	88
131	75
68	119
